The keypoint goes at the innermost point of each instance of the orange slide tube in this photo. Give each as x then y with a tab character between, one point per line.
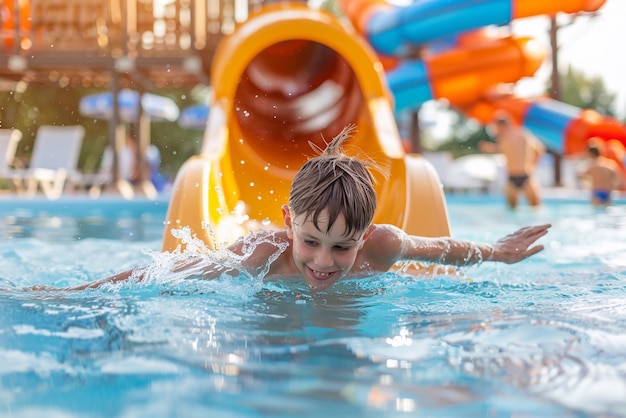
290	75
463	75
563	128
394	30
528	8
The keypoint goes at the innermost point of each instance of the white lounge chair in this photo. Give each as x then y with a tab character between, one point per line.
9	139
474	172
55	156
441	162
97	181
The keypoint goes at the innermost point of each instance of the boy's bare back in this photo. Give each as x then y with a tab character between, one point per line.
603	174
521	150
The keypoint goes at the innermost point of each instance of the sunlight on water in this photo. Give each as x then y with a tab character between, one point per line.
541	338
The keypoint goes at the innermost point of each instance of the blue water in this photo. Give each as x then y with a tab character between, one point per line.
546	337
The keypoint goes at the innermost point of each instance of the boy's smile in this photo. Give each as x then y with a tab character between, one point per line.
322	257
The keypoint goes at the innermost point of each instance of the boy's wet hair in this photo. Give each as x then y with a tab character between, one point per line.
593	150
335	182
502	120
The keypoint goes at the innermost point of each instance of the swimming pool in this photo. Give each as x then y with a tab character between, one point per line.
546	337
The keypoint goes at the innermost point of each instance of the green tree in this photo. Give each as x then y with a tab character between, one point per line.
30	107
465	135
577	89
580	90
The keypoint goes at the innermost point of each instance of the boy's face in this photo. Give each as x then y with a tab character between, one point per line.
322	258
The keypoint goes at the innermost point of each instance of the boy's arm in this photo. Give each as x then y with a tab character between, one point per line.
123	276
195	267
537	146
540	150
510	249
488	147
208	272
618	180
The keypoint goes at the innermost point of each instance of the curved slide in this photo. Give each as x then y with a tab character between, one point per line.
563	128
290	75
396	30
463	63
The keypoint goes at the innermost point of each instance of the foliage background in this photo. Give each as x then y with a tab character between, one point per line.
36	106
577	89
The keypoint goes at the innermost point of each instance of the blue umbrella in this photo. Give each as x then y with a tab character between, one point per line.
194	117
100	106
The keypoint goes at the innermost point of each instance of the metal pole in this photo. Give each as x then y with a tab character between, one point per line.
16	17
114	89
415	138
555	89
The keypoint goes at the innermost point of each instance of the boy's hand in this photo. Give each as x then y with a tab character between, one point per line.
517	246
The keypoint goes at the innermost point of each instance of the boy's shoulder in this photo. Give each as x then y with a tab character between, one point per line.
264	236
385	237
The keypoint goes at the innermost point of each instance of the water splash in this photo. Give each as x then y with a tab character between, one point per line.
197	261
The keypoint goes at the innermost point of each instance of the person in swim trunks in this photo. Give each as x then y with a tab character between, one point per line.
601	197
522	152
603	175
518	181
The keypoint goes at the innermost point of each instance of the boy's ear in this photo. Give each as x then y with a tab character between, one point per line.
367	234
288	221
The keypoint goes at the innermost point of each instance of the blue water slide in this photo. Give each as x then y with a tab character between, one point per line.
397	31
410	85
549	121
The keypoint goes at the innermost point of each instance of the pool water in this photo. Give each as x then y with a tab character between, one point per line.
545	337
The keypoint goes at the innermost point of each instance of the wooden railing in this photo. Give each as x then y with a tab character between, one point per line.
121	35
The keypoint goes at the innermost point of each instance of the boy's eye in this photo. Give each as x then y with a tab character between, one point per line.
310	243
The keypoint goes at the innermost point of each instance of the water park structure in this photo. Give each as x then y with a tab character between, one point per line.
289	73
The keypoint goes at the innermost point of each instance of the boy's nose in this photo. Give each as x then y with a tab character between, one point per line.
323	259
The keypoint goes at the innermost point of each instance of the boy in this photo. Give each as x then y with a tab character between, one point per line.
603	174
522	152
329	235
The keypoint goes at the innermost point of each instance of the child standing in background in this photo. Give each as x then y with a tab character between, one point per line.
603	174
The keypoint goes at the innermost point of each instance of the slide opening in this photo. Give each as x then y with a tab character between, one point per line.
293	92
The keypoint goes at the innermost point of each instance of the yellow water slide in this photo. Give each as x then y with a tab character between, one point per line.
289	75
